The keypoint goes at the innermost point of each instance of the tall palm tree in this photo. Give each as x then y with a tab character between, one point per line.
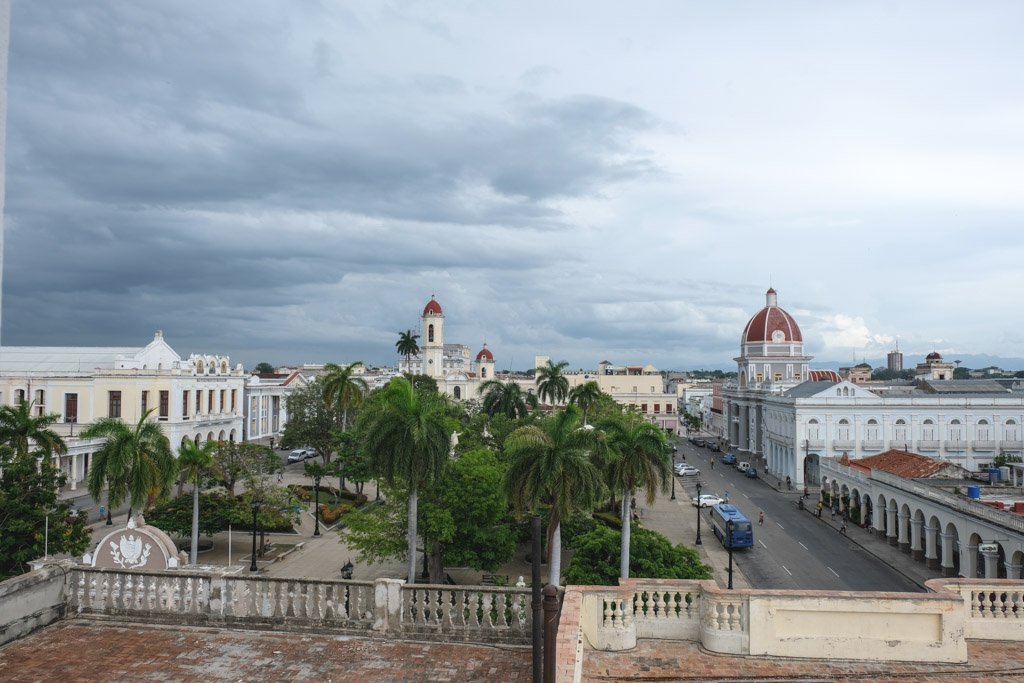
195	462
135	461
506	398
551	463
344	388
407	345
585	396
405	433
639	462
20	430
551	383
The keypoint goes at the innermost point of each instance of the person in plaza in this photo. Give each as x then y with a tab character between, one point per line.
842	528
760	519
820	507
789	483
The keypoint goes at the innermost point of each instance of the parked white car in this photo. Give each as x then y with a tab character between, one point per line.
743	466
707	500
684	470
299	454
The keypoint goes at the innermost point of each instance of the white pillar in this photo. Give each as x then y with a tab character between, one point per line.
916	546
969	562
991	564
947	554
890	527
74	472
930	557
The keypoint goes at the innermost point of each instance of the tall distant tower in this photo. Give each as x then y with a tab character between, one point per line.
895	359
5	41
433	339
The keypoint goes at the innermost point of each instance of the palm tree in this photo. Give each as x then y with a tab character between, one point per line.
406	434
586	396
195	462
407	345
19	429
344	388
506	398
551	462
639	462
551	383
135	461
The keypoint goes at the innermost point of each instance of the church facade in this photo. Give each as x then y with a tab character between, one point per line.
456	371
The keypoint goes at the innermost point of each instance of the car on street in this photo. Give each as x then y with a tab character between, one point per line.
299	454
684	470
752	473
743	466
699	442
729	459
707	500
713	445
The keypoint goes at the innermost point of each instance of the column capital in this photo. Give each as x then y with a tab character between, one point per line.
903	515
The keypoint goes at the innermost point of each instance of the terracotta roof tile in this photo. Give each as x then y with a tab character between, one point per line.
902	464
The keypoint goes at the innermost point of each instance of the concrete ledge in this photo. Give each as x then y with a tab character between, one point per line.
32	601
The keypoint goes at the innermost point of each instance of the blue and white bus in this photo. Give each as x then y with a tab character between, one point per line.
742	529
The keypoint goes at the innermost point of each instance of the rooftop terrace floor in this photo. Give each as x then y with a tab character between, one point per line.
93	652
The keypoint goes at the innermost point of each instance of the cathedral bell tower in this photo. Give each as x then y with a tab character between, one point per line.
432	335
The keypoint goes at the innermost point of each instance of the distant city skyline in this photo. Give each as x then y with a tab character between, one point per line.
291	182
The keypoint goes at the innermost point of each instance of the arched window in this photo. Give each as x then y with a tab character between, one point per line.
200	366
955	431
900	431
872	431
984	431
846	391
1011	432
19	396
843	430
813	430
430	333
224	367
928	430
483	373
457	392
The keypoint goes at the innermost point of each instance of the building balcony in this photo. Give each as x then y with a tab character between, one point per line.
928	445
874	445
814	444
901	444
1011	445
843	445
954	446
985	446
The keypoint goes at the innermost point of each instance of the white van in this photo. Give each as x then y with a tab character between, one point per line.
743	466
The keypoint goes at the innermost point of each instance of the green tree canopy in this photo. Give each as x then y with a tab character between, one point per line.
234	462
651	556
312	420
344	389
585	396
407	345
133	462
506	398
28	497
263	368
20	430
195	462
552	385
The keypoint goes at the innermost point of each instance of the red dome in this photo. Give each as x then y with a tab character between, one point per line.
823	376
432	307
934	355
485	353
771	319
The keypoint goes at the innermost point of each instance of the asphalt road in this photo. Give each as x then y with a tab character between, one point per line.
793	549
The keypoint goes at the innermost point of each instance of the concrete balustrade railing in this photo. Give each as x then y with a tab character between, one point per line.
841	624
994	609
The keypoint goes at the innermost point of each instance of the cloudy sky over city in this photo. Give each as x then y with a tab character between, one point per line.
291	181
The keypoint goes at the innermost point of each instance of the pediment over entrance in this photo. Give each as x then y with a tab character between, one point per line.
136	546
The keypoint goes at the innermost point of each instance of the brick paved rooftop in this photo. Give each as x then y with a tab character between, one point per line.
99	651
96	652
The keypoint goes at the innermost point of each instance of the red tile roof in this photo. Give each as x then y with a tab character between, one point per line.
901	464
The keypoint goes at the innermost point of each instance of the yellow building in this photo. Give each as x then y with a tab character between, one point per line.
198	398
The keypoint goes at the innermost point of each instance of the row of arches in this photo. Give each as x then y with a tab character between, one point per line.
934	539
199	440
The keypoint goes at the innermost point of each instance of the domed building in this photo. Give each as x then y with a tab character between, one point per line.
449	365
772	347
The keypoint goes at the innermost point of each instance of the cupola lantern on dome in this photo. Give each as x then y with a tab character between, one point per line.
432	307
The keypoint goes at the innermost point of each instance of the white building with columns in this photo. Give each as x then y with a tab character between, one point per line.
198	398
793	416
450	365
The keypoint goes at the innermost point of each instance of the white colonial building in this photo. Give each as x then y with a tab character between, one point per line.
266	403
639	387
792	416
450	365
198	398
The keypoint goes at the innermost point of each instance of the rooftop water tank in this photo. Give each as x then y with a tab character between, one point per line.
974	492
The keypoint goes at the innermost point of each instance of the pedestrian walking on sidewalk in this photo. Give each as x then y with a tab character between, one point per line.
820	507
789	483
712	462
842	528
833	510
760	519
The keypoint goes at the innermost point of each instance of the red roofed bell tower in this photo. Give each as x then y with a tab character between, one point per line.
432	335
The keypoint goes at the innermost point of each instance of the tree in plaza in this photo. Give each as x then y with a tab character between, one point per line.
195	462
344	389
639	461
424	384
465	519
585	396
551	383
312	421
651	555
352	461
134	461
551	463
263	368
234	462
506	398
20	429
407	345
405	432
29	503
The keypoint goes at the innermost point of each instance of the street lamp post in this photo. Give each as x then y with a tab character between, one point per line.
316	505
673	473
255	511
729	526
698	541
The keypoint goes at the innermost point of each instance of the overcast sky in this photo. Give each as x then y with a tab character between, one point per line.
291	181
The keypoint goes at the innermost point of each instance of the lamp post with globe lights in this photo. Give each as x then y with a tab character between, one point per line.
698	541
